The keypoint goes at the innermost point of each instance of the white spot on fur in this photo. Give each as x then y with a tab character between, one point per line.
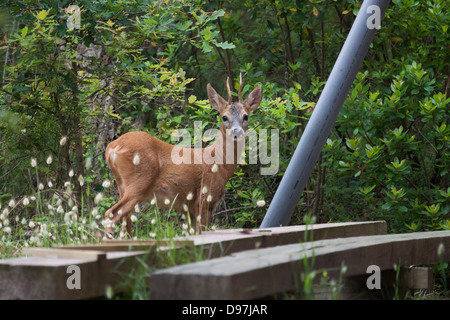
113	156
136	159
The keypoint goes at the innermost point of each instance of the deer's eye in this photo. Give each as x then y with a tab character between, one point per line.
225	118
245	117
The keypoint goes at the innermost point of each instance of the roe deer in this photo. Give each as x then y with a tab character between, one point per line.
145	171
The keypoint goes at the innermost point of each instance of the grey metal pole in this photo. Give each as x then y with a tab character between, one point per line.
325	113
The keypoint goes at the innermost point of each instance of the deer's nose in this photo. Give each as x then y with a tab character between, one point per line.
237	133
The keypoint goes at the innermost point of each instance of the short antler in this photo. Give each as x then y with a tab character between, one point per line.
240	88
239	91
228	90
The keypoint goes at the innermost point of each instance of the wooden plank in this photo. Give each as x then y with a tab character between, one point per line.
93	255
223	242
420	278
149	242
259	273
128	245
45	277
105	247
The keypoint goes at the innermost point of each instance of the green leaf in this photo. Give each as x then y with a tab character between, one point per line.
225	45
217	14
192	99
206	47
207	34
42	15
24	31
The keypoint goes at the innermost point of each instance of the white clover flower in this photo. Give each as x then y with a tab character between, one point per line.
50	184
11	203
185	208
31	224
67	184
41	186
98	198
260	203
441	249
60	209
133	218
63	141
49	160
189	196
106	184
7	230
204	190
33	162
25	201
153	221
214	168
136	159
24	221
209	198
88	163
106	223
136	208
153	201
32	198
167	202
152	234
81	180
184	226
71	173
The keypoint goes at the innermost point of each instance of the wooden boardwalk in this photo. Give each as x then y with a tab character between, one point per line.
41	273
241	263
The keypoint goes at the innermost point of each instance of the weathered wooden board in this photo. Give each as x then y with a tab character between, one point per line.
44	276
223	242
420	278
259	273
90	255
128	245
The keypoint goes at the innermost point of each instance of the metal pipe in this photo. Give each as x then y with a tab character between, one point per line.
325	113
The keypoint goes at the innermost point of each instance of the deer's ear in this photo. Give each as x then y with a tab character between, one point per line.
254	98
217	102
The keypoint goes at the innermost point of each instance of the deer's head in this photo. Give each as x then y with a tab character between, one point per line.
235	115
